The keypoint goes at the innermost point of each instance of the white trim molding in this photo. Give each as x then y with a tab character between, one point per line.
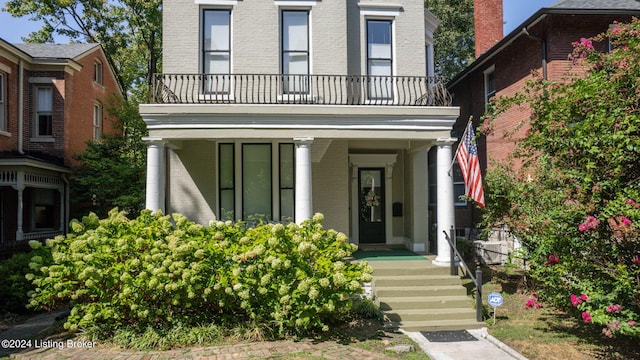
374	9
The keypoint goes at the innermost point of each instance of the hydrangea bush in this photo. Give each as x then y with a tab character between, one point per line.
163	271
576	202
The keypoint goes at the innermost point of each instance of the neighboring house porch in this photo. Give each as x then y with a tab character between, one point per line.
355	148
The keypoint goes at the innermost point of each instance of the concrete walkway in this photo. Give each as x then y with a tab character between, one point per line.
485	347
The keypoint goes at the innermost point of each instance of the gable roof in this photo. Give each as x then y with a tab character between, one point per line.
55	51
562	7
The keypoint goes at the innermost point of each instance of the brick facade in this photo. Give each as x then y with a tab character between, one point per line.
514	61
487	16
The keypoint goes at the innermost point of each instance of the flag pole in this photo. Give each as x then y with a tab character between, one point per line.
466	128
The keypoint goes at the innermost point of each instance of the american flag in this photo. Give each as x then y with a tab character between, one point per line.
469	164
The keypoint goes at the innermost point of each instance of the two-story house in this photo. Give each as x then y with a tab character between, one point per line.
542	43
275	110
53	99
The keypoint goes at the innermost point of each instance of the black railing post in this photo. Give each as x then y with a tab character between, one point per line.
452	255
478	288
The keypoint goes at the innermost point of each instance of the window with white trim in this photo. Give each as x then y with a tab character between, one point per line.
379	58
216	50
489	85
97	72
44	111
3	101
295	51
97	122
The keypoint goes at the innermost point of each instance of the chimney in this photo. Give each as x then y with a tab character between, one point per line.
488	22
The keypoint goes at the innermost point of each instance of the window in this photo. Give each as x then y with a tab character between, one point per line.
216	50
97	122
256	182
295	51
489	85
44	209
259	185
3	101
379	59
287	182
97	72
44	111
459	188
226	180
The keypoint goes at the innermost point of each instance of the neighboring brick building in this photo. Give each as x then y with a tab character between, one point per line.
53	99
542	43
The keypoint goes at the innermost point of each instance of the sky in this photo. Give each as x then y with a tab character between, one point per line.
515	13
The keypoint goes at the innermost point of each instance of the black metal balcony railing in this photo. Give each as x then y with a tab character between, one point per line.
300	89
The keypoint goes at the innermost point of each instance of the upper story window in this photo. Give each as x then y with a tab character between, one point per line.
379	58
97	72
216	50
97	122
44	111
489	85
295	50
3	101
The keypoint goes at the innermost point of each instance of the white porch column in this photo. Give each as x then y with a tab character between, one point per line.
303	186
445	201
20	187
155	173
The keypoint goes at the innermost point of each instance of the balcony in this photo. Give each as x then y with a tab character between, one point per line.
300	89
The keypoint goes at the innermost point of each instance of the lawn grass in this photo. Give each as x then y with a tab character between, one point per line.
547	333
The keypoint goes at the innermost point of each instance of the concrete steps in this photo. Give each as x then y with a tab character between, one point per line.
416	295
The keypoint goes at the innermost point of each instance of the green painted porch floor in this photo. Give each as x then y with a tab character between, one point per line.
390	254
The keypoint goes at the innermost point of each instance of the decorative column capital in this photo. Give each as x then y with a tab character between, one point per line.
302	141
446	141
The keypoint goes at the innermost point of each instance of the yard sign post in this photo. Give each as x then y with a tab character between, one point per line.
495	300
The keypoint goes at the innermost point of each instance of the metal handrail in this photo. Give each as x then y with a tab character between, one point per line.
300	89
477	280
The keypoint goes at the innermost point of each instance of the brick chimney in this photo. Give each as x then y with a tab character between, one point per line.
488	21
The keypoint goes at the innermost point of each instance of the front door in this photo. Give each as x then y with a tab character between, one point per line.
371	219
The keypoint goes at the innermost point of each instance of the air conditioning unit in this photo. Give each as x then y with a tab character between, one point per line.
492	252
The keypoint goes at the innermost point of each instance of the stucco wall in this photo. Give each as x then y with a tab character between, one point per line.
331	187
191	186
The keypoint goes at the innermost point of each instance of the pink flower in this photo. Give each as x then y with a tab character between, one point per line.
614	308
631	323
636	260
584	297
575	301
590	223
538	305
586	317
530	303
552	260
625	220
630	202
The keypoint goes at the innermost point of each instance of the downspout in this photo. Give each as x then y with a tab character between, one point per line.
66	189
543	45
20	106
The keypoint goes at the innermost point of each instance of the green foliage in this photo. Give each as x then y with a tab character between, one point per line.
454	38
111	172
160	271
576	201
15	287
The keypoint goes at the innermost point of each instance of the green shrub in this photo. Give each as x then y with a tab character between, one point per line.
15	288
163	271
